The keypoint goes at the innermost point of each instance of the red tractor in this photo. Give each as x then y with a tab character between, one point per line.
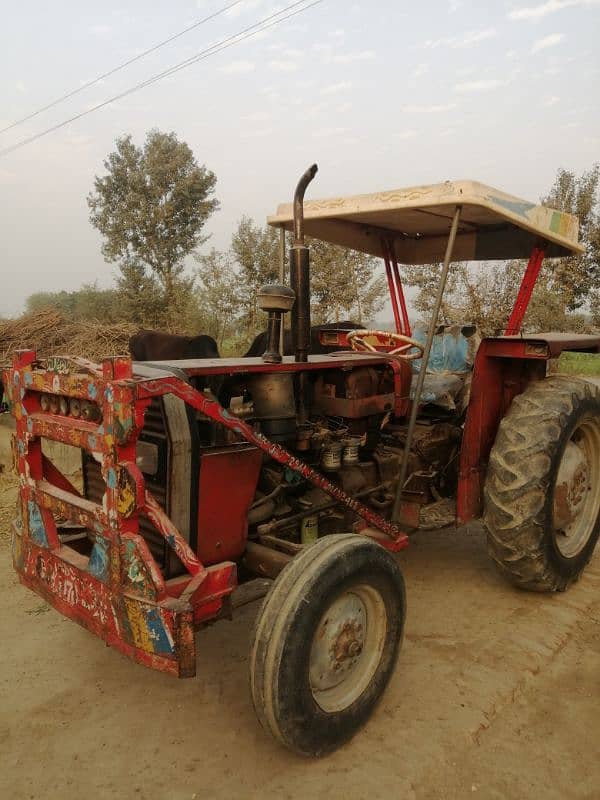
315	469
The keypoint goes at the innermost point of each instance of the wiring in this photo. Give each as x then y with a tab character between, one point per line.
270	21
119	67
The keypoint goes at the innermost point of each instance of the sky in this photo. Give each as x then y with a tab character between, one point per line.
381	94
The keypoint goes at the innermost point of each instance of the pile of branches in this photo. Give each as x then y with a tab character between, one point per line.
49	332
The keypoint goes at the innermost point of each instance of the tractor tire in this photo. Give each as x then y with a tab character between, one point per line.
542	489
326	642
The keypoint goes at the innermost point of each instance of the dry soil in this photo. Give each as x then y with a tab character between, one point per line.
496	695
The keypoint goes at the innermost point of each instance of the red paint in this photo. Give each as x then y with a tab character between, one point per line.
545	345
525	290
227	485
165	527
402	382
391	286
75	432
75	508
125	601
79	596
207	599
400	292
235	366
394	280
56	478
497	380
516	348
145	557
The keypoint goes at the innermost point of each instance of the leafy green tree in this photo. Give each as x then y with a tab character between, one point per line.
62	301
255	251
218	301
151	207
89	302
573	278
344	283
139	296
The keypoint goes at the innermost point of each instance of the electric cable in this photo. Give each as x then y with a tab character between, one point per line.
252	30
118	68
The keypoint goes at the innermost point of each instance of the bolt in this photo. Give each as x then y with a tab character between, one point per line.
354	648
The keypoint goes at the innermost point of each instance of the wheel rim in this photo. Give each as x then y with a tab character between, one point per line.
347	647
577	490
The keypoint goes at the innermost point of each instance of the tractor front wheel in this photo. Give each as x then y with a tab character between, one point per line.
542	490
326	642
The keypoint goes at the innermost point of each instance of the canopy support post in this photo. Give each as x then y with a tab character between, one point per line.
400	291
424	362
395	286
390	279
525	289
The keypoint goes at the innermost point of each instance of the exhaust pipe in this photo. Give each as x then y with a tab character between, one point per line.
300	272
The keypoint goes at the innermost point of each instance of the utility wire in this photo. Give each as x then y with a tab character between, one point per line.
246	33
118	68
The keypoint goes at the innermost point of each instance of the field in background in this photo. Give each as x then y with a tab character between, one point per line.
579	363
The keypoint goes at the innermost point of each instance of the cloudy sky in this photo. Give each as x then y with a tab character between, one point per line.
382	94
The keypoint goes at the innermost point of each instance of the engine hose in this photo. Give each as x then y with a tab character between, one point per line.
262	512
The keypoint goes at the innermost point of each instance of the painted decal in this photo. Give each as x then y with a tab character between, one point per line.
36	524
520	207
58	364
98	563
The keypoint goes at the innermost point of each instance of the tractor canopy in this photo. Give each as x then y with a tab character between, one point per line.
414	223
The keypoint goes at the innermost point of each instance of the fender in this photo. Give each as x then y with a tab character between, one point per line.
503	369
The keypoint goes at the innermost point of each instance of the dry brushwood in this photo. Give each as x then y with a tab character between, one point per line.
48	332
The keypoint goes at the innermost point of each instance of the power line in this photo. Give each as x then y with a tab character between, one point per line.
118	68
246	33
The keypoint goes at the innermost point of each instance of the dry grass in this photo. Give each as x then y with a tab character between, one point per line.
49	332
8	498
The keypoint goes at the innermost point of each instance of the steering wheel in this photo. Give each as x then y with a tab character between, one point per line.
357	342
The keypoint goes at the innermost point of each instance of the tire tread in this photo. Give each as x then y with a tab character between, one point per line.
518	480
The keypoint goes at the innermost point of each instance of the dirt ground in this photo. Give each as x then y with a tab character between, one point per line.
496	695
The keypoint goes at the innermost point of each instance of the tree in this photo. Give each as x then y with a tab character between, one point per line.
574	277
89	302
140	297
255	251
218	300
344	283
151	207
566	288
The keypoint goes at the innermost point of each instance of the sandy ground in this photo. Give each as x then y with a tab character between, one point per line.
496	695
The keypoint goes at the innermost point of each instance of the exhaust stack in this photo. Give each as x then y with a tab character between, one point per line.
300	272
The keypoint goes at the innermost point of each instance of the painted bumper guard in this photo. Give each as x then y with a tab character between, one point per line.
117	592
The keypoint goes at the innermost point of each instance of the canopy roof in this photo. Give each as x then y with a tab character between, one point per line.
493	224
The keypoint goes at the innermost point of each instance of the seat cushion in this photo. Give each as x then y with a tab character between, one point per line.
441	390
451	359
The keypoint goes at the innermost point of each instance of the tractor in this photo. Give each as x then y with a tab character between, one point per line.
301	481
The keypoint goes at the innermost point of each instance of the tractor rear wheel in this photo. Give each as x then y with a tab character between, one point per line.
326	642
542	490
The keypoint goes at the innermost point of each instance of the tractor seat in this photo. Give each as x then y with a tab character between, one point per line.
448	376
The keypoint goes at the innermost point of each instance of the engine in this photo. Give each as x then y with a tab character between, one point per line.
352	435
